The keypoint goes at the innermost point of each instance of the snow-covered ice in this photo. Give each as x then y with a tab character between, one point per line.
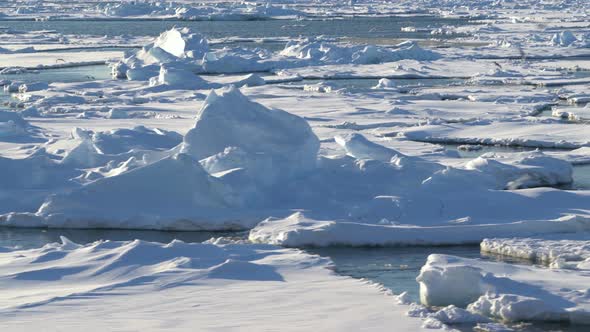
470	128
178	285
570	251
505	291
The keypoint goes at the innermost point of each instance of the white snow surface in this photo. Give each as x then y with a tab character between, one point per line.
363	155
349	158
505	291
570	251
210	285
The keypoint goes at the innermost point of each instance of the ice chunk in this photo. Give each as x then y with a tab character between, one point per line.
250	80
386	83
140	73
513	308
174	190
564	38
439	284
12	124
85	154
133	8
322	87
558	250
505	291
357	146
455	315
318	52
231	120
180	78
533	169
182	43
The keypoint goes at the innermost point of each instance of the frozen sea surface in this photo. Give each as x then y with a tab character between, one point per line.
63	75
430	105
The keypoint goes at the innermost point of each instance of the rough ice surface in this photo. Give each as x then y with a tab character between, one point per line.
182	43
240	165
281	140
468	124
505	291
12	125
241	155
559	252
319	52
420	183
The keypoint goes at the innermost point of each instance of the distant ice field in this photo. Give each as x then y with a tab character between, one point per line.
366	29
374	143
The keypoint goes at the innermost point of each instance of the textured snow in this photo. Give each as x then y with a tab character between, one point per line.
12	125
274	139
329	140
243	162
505	291
146	285
559	252
239	167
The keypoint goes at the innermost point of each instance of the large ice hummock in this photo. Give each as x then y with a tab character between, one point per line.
173	45
182	43
180	48
230	166
229	124
174	190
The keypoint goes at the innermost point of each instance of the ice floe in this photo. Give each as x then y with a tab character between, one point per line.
558	251
111	278
504	291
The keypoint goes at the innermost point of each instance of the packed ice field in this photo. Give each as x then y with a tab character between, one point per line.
258	151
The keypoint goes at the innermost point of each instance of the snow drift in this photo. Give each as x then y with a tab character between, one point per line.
12	125
186	284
